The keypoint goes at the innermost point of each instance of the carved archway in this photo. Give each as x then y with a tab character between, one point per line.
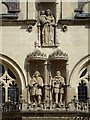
15	68
59	62
80	72
35	61
3	9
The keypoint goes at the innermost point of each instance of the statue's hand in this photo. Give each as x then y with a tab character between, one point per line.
39	86
35	84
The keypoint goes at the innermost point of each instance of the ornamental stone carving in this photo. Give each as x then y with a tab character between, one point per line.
58	83
58	54
47	28
36	55
36	84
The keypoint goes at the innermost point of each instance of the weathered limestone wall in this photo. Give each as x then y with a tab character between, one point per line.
17	42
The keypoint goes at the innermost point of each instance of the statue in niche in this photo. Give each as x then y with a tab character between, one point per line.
58	83
47	23
36	85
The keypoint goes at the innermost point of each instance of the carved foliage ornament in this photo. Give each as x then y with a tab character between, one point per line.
58	54
36	55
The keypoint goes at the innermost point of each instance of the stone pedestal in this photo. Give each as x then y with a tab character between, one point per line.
46	115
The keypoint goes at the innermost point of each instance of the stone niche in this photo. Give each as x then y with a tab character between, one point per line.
44	5
83	10
46	15
58	62
12	9
53	71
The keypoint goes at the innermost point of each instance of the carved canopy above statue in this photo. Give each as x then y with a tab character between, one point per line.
36	55
58	54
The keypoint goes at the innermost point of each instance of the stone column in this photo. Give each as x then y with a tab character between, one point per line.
60	9
28	82
50	85
67	81
57	10
23	9
57	16
31	10
39	34
46	81
6	93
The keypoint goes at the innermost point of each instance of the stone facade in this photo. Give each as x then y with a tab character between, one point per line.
45	59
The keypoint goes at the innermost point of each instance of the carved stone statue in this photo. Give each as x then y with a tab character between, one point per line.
58	87
36	85
47	23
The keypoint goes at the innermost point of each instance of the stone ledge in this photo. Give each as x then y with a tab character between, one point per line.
74	21
17	22
45	113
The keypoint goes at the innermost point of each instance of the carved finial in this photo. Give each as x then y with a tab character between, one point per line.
58	44
36	44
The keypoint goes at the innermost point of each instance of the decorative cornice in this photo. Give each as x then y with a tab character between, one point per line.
8	16
48	114
58	54
74	21
12	22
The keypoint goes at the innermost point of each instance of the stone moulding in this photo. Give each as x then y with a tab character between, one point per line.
45	113
74	21
58	54
82	15
12	22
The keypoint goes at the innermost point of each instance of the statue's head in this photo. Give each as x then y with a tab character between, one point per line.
37	73
48	12
42	12
58	73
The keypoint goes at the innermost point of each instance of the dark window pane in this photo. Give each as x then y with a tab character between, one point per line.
82	92
2	70
13	93
11	74
3	95
83	73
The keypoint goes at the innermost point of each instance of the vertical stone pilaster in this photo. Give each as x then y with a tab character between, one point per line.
28	82
67	73
61	9
56	35
39	38
23	9
57	10
6	93
58	16
67	81
45	79
31	10
50	85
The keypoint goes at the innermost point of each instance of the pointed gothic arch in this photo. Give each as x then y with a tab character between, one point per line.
14	67
81	72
